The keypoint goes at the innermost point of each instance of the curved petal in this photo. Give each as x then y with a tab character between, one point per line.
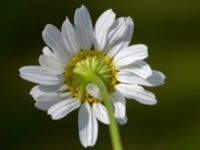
42	61
40	75
52	96
88	125
44	102
137	93
83	25
45	105
47	98
35	91
116	32
41	89
119	103
122	121
100	112
63	108
155	79
47	52
43	97
101	29
53	39
140	68
129	32
52	64
130	54
94	90
120	36
56	88
70	37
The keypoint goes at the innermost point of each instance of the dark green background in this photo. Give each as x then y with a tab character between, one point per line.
170	28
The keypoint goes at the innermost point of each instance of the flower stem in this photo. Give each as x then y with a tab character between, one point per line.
114	131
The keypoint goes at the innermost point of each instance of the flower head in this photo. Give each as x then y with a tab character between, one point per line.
77	52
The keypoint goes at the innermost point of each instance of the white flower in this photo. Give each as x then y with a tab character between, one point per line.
79	50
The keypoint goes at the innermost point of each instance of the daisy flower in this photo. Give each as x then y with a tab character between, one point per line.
78	51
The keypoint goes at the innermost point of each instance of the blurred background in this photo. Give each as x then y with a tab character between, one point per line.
170	28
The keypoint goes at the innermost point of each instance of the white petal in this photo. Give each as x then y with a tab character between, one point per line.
100	112
40	75
63	108
47	52
52	64
130	54
44	100
53	39
102	27
43	97
119	103
123	36
155	79
42	61
70	38
35	91
88	125
129	33
52	96
94	90
83	24
42	89
128	77
137	93
122	121
45	105
56	88
116	32
139	68
114	50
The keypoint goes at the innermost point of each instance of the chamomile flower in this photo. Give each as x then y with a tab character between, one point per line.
79	50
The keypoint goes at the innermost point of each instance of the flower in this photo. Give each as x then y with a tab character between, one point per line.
78	51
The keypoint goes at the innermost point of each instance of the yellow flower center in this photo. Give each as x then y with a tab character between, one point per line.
85	64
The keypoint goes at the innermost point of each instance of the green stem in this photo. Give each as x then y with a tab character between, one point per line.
114	131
